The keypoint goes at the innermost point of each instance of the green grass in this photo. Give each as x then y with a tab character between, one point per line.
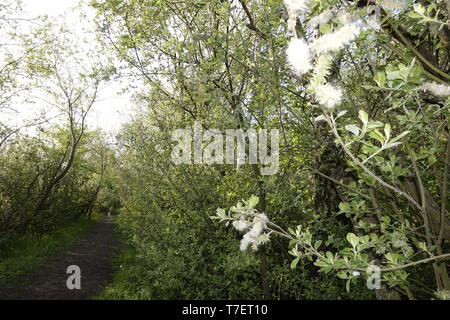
127	283
24	253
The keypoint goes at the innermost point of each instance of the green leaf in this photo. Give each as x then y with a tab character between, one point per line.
376	134
319	118
344	206
253	201
330	257
317	244
342	274
294	263
401	135
415	15
384	37
371	87
364	117
325	28
392	257
221	213
353	129
387	130
340	114
391	145
380	78
374	124
353	239
432	160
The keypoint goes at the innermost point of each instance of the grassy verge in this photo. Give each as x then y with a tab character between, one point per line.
127	269
26	252
129	282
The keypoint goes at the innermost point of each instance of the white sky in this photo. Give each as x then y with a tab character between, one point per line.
50	7
112	109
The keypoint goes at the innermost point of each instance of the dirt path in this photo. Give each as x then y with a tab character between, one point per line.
92	254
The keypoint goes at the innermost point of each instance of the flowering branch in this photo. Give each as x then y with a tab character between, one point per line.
244	217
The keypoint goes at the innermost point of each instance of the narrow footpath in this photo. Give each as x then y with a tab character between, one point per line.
92	254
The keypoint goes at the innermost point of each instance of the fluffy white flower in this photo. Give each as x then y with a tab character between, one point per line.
344	17
322	18
439	90
356	273
335	41
245	242
373	22
263	218
255	236
299	55
392	4
328	95
321	68
256	229
259	223
263	238
240	225
297	6
294	9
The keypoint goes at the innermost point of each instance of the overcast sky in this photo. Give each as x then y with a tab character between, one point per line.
112	109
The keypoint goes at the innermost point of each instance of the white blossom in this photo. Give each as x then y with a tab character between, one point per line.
294	9
255	236
439	90
392	4
256	229
336	40
356	273
259	223
245	242
322	18
240	225
321	68
299	55
344	17
328	95
373	22
297	6
323	64
263	218
263	238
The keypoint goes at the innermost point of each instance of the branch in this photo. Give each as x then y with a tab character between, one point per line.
444	184
251	25
416	52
